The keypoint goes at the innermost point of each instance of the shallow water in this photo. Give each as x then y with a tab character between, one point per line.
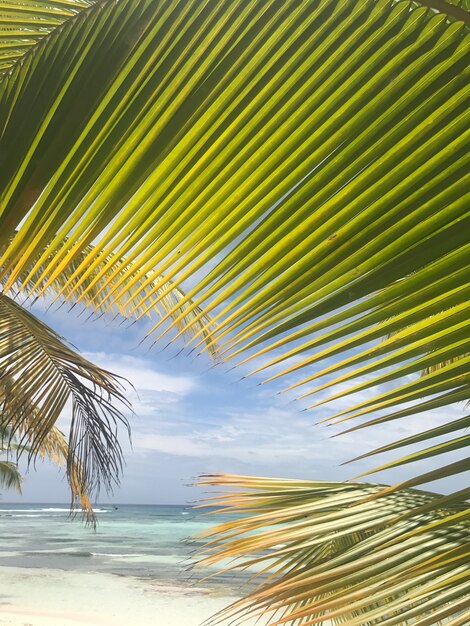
142	542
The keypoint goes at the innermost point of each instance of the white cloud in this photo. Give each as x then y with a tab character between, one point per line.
262	437
142	374
151	393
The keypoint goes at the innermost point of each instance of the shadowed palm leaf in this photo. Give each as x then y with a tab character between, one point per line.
40	374
10	477
333	553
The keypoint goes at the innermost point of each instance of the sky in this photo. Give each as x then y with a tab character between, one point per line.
190	418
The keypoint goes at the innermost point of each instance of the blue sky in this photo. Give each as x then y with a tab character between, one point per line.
191	418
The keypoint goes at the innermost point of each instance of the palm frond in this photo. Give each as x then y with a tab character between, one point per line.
329	551
39	375
137	300
10	477
24	23
55	447
309	162
303	166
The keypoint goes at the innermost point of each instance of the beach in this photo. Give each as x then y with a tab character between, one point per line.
40	597
55	571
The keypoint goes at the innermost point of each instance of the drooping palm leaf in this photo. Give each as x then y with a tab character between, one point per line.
40	373
53	446
10	477
332	553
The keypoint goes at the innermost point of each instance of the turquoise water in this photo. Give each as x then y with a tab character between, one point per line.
144	542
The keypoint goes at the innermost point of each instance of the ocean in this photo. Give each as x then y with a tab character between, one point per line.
149	543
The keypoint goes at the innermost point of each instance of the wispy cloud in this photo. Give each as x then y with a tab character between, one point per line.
143	374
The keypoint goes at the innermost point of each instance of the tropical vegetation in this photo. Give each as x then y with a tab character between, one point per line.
10	476
302	168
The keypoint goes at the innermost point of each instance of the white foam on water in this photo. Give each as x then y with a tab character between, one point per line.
28	515
57	510
117	554
19	510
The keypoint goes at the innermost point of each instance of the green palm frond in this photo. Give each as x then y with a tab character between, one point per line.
80	188
328	551
137	300
10	477
24	23
303	167
40	374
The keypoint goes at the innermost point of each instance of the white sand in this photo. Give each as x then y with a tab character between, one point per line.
47	597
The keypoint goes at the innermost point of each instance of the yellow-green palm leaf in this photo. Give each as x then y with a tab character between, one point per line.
138	299
24	23
304	166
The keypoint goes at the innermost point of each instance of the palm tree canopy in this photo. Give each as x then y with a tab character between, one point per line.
304	167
